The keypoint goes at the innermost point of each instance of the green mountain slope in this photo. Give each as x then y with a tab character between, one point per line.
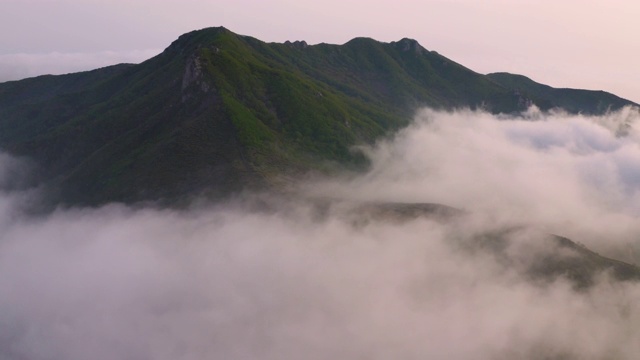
571	100
217	112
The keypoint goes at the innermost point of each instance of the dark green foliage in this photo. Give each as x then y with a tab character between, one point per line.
570	100
216	112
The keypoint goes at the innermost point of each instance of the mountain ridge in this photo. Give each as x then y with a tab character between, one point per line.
217	112
568	99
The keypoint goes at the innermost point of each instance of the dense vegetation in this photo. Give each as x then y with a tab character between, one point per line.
216	112
571	100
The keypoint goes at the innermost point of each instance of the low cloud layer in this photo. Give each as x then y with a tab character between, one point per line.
20	66
574	175
302	280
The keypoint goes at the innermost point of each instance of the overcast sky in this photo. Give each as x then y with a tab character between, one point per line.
564	43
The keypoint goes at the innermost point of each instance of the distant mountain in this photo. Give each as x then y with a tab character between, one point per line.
217	112
556	257
570	100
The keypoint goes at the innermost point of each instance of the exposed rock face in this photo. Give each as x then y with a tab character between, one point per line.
297	44
192	72
407	44
193	78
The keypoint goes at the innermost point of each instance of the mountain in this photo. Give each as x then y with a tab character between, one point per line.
558	257
570	100
217	112
552	258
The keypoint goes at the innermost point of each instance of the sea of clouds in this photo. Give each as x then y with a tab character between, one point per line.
288	281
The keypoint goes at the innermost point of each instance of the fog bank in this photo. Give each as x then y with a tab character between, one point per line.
301	280
573	175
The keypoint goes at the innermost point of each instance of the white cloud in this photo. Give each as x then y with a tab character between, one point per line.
302	281
571	174
224	283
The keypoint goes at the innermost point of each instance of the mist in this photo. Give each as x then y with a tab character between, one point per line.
572	175
318	276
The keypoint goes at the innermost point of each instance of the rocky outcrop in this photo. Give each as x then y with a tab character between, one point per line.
296	44
407	45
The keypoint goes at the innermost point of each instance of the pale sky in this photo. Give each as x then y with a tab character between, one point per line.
589	44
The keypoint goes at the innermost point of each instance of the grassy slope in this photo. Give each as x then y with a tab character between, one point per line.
217	111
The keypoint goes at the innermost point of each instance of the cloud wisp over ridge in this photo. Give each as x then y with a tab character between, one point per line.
302	280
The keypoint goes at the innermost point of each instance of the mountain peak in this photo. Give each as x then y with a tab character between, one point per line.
199	38
361	40
407	44
217	111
